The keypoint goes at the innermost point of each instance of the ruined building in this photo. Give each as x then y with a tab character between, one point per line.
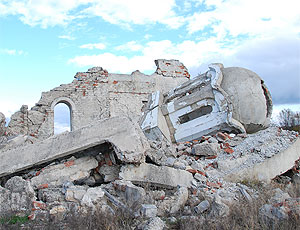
95	95
185	139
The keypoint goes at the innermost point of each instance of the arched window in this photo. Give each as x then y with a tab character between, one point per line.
62	118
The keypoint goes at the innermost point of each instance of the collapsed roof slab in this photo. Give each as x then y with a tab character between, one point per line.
126	137
270	167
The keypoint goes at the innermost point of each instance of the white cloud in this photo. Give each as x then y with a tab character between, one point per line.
191	53
56	12
92	46
44	13
67	37
130	46
12	52
60	128
248	17
136	12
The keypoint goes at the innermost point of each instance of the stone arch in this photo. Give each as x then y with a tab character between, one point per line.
70	104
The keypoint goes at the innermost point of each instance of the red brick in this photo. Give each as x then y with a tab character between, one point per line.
229	150
69	163
43	186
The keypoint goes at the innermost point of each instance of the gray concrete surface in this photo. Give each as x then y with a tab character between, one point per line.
126	137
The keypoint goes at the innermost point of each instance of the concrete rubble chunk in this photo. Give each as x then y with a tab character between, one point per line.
218	208
93	197
2	124
171	68
154	223
72	170
174	203
17	197
110	173
75	193
157	175
126	137
148	210
206	149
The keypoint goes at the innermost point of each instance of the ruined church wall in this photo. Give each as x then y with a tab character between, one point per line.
94	95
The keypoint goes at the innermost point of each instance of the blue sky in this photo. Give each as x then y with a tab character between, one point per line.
43	43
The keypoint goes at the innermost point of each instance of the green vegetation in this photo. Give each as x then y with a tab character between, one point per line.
11	220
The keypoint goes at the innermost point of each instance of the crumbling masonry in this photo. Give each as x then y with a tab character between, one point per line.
164	142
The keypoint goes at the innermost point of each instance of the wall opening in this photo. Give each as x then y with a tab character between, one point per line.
62	118
202	111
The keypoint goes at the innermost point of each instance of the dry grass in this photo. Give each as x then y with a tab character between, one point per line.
243	215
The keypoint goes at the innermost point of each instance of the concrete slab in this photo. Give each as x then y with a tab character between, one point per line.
126	137
156	175
271	167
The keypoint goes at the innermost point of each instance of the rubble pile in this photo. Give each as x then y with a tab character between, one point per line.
180	154
187	177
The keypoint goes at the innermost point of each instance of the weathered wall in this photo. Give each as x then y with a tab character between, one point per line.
97	94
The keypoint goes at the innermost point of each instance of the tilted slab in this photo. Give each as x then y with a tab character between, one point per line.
126	137
271	167
156	175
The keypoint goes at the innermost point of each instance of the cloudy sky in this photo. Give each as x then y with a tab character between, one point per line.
43	43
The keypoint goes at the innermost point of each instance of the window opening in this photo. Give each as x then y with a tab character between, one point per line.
62	118
202	111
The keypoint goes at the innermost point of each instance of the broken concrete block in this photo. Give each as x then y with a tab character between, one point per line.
126	137
16	198
109	173
134	193
181	197
171	68
148	210
174	203
206	149
157	175
2	124
75	193
72	170
218	208
154	123
93	197
51	195
154	223
18	184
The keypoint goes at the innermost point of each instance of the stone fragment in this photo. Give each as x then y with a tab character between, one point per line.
2	124
50	195
154	223
170	161
72	170
16	198
110	173
156	175
218	208
174	203
93	197
148	210
270	213
134	193
75	193
18	184
206	149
